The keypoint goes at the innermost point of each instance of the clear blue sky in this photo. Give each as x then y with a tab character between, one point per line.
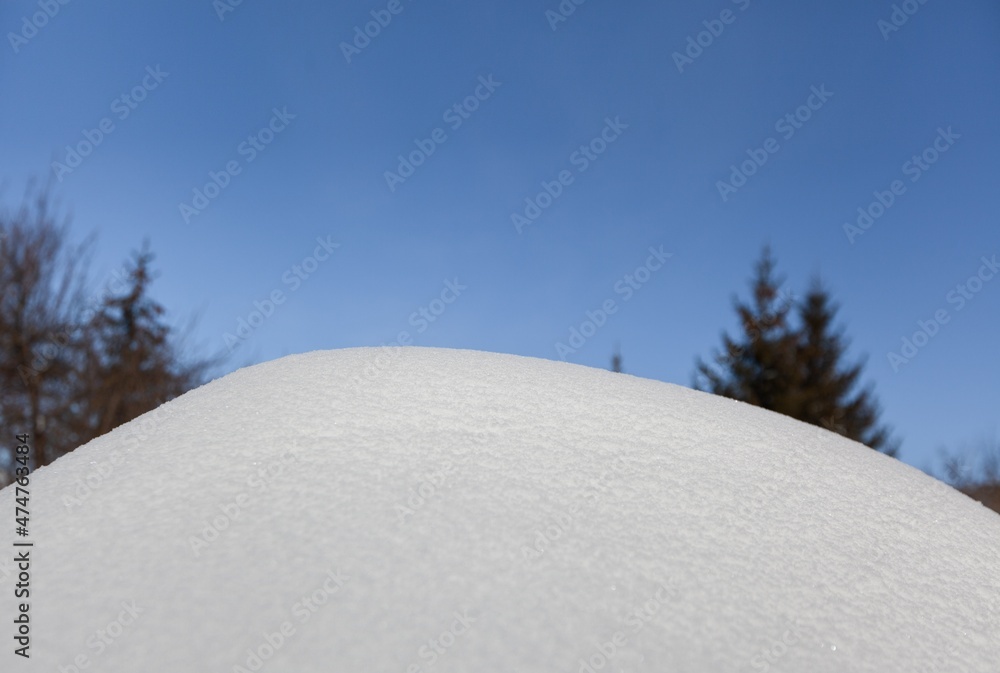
608	68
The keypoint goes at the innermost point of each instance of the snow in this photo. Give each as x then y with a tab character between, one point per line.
415	510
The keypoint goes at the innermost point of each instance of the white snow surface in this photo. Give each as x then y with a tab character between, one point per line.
418	510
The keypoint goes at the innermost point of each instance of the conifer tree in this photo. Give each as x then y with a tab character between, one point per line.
829	394
796	370
758	367
133	366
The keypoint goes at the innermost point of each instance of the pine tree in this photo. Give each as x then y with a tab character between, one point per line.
827	396
759	367
798	370
133	366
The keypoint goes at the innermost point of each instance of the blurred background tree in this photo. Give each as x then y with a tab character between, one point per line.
76	364
798	370
43	281
975	471
132	362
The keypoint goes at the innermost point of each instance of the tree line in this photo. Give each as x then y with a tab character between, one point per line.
76	363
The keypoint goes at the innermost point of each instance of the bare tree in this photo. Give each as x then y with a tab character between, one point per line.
976	472
43	280
73	368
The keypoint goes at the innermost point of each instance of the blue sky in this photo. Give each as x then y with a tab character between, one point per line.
268	91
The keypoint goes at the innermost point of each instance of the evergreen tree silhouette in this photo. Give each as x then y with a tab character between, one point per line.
829	394
133	366
796	370
758	367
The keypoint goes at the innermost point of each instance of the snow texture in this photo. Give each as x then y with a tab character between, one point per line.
417	510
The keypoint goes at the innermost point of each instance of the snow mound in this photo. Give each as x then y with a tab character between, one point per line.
417	510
